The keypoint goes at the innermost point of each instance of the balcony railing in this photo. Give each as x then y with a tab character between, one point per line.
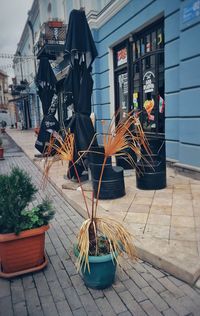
52	38
16	89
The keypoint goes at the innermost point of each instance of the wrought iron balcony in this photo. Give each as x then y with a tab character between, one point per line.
16	89
51	40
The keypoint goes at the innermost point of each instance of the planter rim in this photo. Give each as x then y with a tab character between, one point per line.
30	270
96	259
24	234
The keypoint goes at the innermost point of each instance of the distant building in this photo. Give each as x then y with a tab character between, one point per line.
149	61
4	105
8	110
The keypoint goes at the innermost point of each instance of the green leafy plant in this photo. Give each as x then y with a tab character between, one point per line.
16	192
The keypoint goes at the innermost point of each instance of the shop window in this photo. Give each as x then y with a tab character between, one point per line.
139	77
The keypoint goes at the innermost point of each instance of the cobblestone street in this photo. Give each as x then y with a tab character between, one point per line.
139	288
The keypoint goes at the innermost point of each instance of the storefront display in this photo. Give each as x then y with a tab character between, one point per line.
140	77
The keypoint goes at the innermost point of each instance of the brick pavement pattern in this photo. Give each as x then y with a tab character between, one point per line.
139	288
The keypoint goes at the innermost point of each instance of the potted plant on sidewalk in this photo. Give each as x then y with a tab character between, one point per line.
22	230
100	239
1	149
3	126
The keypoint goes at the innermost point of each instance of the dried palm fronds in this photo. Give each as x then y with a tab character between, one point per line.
64	151
128	134
120	240
63	147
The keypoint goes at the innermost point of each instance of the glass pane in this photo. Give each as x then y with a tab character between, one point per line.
134	52
138	49
123	94
142	46
161	101
136	71
136	88
149	62
148	44
121	57
149	97
153	40
159	38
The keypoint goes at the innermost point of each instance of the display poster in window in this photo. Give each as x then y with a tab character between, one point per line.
135	100
122	57
149	82
149	105
123	83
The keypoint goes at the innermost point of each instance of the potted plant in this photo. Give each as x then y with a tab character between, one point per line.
100	239
3	126
55	24
22	230
1	149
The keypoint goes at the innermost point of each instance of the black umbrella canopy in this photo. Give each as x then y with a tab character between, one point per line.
79	38
46	83
81	52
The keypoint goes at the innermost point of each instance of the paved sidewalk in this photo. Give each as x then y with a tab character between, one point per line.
139	289
165	223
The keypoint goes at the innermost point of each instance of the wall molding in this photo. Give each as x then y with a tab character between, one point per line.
96	21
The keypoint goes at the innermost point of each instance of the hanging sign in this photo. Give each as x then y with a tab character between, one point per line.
149	82
191	11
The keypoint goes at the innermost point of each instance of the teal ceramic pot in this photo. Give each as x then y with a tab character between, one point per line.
102	271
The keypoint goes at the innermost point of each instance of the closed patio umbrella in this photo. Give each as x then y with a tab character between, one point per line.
46	89
80	52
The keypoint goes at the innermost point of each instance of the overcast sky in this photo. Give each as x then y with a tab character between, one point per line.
13	15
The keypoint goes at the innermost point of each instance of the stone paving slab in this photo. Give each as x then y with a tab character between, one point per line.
165	223
139	288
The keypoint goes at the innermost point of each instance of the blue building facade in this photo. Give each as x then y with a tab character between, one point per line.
180	33
149	60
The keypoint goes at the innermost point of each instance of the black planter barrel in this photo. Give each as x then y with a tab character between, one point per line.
152	175
112	185
124	161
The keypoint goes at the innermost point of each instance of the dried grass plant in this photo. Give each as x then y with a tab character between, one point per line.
115	141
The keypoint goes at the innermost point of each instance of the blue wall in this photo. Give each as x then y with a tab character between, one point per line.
182	70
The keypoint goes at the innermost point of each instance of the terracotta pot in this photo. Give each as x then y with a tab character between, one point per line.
22	253
1	152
